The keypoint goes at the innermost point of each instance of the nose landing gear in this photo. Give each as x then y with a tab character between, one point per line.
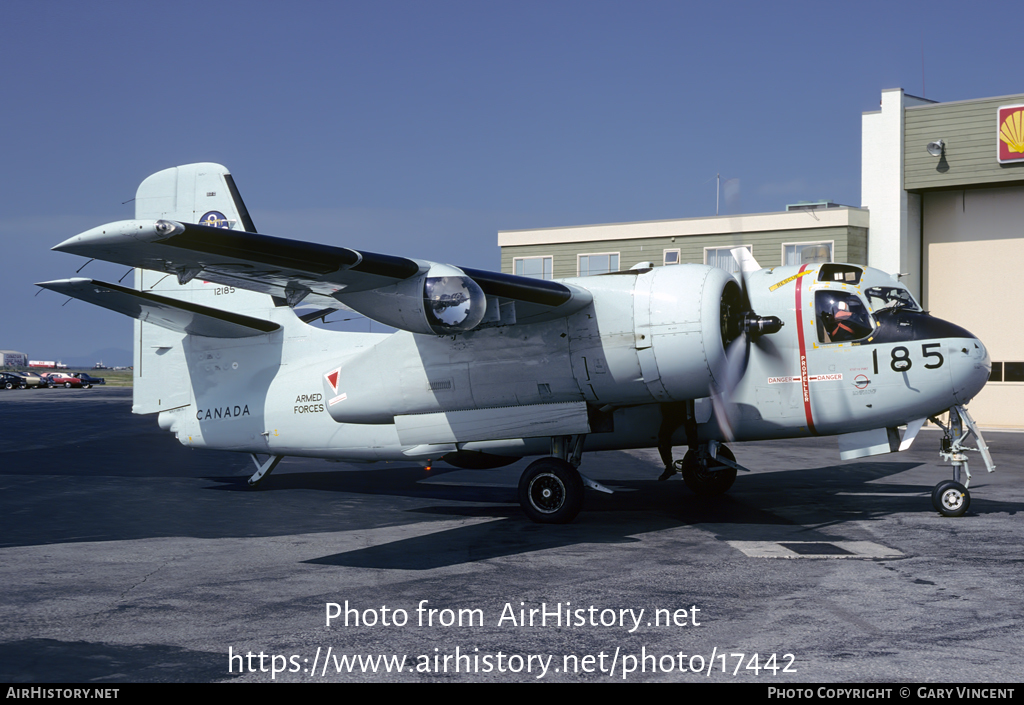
951	498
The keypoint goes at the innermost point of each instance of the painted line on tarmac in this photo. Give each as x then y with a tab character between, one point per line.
814	549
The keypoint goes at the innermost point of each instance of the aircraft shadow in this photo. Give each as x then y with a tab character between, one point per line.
32	661
757	510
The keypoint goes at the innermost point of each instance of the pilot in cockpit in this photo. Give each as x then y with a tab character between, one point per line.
843	317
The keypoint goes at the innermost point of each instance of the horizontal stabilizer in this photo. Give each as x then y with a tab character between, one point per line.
173	314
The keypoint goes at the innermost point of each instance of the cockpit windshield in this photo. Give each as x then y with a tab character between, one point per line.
892	297
842	316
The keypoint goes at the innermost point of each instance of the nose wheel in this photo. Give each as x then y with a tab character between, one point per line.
951	499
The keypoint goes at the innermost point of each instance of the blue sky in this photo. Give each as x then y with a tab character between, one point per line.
424	128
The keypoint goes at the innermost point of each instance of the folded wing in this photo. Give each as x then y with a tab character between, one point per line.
173	314
410	294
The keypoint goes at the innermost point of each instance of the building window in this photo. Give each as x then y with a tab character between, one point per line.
671	257
797	253
722	258
536	267
589	265
1007	372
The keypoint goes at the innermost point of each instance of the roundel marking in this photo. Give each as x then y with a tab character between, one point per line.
215	219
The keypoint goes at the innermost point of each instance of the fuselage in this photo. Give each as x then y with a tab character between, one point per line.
649	338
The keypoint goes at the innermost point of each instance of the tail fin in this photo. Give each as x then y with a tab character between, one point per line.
194	193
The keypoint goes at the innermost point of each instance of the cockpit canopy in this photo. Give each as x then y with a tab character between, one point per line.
859	304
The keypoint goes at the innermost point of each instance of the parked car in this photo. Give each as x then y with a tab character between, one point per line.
88	380
31	379
9	380
61	379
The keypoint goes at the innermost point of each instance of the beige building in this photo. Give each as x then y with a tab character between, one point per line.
942	203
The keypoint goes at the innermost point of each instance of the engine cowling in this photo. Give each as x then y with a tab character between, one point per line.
684	319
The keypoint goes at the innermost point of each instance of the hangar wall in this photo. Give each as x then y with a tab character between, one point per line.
973	247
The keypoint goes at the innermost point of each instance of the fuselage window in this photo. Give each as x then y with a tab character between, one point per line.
842	316
845	273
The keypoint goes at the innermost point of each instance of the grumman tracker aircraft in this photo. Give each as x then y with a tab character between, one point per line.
487	368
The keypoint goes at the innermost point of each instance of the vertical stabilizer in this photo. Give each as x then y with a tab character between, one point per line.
195	193
201	193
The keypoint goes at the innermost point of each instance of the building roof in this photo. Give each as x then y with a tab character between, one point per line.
683	227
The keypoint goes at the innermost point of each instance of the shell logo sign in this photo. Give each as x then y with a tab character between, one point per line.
1010	124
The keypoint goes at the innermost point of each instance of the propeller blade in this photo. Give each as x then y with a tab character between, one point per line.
742	322
721	398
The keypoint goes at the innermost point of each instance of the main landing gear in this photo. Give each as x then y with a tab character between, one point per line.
551	489
709	469
951	498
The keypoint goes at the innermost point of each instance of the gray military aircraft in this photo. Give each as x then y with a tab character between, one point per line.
486	368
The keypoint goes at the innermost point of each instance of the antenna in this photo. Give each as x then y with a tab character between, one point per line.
924	93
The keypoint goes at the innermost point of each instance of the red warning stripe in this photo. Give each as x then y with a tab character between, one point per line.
805	387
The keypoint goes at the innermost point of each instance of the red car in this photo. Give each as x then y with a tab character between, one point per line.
60	379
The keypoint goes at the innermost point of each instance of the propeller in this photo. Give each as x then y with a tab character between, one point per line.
740	324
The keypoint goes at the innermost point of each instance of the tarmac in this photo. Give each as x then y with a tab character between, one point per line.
126	557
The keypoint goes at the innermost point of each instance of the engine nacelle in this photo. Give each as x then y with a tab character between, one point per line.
684	317
655	336
440	301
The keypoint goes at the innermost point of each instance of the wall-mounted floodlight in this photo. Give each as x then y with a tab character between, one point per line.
936	148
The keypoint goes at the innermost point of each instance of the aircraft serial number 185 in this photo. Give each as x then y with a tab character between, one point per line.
901	361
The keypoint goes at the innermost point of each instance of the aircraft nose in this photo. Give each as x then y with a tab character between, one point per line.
971	367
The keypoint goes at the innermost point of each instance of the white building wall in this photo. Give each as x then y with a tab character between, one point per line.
894	237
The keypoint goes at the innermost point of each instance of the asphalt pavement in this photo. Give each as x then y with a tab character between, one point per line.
126	557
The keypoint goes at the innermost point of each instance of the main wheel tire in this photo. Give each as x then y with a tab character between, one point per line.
67	385
8	385
951	499
551	491
708	482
